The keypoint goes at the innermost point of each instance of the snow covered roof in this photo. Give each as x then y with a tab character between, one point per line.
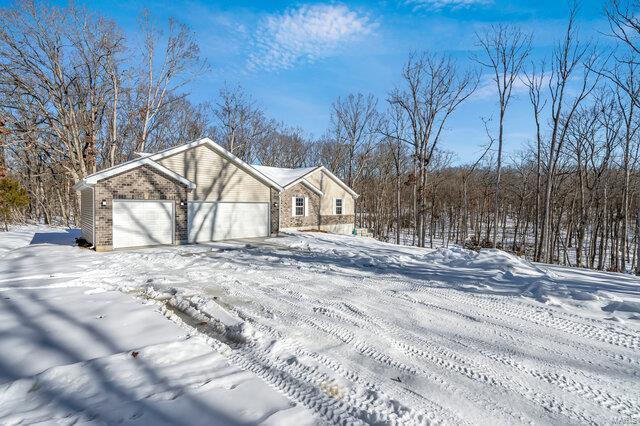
282	175
288	177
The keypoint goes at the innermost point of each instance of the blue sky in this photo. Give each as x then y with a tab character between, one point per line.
296	58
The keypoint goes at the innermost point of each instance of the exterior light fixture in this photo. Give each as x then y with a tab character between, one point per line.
183	203
103	203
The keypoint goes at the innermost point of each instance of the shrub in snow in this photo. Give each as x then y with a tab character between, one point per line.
13	198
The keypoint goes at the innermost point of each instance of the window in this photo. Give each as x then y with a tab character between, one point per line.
338	205
299	206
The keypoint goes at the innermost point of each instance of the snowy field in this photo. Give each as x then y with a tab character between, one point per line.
310	328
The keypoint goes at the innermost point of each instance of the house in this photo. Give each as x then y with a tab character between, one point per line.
200	192
313	197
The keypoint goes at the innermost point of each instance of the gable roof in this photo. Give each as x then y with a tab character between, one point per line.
284	176
337	180
130	165
151	160
289	177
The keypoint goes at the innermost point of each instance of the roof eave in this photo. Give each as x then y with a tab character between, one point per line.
312	187
82	185
145	161
302	178
150	160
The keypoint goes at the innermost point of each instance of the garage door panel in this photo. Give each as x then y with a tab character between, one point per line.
223	221
142	223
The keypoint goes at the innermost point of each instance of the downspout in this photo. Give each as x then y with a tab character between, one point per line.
93	216
320	202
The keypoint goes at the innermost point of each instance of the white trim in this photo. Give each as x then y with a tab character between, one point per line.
150	160
311	187
306	206
305	202
130	165
220	150
81	185
302	178
331	175
335	206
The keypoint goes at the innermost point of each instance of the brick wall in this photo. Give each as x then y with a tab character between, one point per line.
142	183
287	220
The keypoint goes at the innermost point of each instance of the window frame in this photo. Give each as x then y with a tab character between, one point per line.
341	207
301	206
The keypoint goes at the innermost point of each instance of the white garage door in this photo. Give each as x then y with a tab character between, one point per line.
224	221
139	223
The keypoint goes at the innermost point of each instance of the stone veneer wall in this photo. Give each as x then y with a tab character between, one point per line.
287	219
142	183
313	219
275	211
337	219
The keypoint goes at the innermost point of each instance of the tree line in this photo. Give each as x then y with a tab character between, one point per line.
77	96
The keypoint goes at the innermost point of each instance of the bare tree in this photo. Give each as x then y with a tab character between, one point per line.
625	26
570	55
624	22
394	129
165	73
433	89
505	49
240	122
53	61
355	119
534	81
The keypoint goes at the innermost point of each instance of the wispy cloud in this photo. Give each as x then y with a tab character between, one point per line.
487	89
306	34
445	4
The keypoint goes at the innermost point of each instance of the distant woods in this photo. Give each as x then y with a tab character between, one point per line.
77	96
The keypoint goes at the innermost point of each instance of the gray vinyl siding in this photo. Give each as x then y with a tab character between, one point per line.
86	214
216	178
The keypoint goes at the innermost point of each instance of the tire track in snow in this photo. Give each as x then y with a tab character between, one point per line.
484	312
374	324
298	382
494	314
367	350
478	373
561	321
465	367
440	412
370	399
616	403
476	305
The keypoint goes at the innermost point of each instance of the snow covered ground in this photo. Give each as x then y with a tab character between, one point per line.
349	329
75	352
